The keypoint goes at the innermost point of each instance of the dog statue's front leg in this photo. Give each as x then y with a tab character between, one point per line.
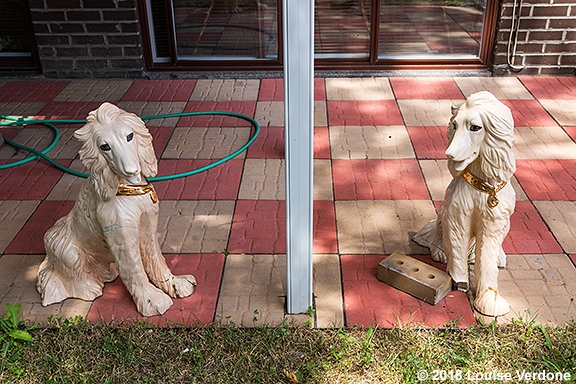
123	243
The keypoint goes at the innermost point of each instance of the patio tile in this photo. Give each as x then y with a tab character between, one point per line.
508	88
429	142
425	88
160	138
20	109
372	88
543	143
327	291
560	216
378	180
194	226
246	108
226	90
529	113
154	108
40	139
381	226
94	90
253	292
30	239
562	111
550	87
116	304
18	275
547	179
270	113
13	215
268	145
159	90
68	110
363	113
539	287
263	179
218	183
205	143
68	186
372	142
29	181
528	232
368	301
426	112
273	89
321	143
571	131
31	90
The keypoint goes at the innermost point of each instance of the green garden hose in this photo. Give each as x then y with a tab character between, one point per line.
17	121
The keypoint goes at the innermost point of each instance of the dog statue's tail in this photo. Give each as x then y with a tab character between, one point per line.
430	236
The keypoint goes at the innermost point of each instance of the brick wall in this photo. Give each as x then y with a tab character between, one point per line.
88	38
546	41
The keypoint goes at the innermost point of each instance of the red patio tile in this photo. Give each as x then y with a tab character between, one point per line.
116	304
219	183
547	179
529	113
246	108
259	227
30	181
550	87
368	301
273	89
160	138
378	180
321	143
159	90
425	88
429	142
30	239
571	131
528	232
363	112
31	90
270	144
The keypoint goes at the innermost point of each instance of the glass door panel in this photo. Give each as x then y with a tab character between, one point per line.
226	29
342	28
430	28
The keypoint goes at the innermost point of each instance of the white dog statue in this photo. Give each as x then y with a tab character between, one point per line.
111	229
474	218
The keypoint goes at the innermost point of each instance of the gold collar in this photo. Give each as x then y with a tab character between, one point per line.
484	187
136	190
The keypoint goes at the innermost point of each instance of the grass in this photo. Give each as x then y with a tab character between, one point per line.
74	351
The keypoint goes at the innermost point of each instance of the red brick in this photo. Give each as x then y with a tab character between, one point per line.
547	179
429	142
30	181
549	87
14	91
528	113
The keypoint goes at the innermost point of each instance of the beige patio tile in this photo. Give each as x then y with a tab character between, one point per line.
539	287
194	226
368	88
543	143
21	109
375	142
381	226
509	88
68	186
226	90
560	217
426	112
562	111
13	216
265	179
271	113
18	275
94	90
205	143
253	292
153	108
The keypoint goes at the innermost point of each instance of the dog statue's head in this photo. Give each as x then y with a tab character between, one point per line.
116	145
482	129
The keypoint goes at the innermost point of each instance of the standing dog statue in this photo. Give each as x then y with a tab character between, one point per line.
111	229
475	214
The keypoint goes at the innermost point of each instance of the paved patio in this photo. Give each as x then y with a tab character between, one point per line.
380	175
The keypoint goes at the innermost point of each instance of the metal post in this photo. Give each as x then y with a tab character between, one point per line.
298	32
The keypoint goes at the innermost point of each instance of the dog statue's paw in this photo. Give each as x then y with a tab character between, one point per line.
153	302
490	303
183	286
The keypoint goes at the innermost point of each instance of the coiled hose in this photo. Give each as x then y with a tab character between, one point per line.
19	121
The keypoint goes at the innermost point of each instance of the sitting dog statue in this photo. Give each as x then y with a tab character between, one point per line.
475	215
111	229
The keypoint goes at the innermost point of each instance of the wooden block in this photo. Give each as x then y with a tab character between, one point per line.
414	277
